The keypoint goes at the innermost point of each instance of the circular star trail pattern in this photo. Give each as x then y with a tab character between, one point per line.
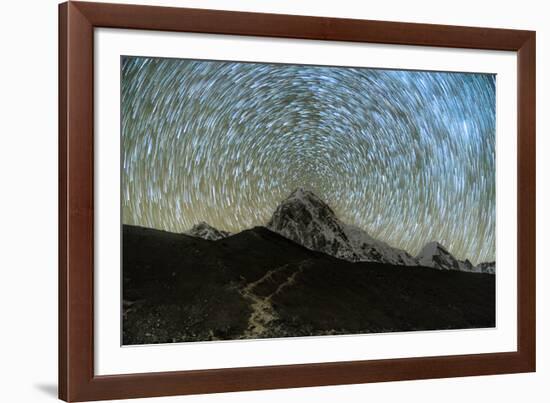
406	155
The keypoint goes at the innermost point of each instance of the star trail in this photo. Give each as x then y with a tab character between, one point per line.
408	156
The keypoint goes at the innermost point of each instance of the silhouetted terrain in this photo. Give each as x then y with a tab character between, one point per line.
257	284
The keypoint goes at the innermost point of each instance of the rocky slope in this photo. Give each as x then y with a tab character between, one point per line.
258	284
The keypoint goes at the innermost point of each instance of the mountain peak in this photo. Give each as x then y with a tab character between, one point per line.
303	204
435	255
206	231
306	219
301	193
305	196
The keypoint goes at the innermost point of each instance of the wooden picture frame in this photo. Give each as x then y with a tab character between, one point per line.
77	381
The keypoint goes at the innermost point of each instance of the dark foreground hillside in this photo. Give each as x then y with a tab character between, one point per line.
258	284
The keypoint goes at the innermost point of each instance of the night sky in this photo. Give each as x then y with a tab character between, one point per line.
408	156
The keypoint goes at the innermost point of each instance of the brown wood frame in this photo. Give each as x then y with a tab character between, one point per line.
77	381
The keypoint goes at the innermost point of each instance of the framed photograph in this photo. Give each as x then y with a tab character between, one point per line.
255	201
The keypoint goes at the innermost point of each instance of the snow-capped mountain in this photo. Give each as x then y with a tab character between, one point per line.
466	265
206	231
306	219
486	267
435	255
372	250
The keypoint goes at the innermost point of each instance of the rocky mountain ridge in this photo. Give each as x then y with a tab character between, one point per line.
306	219
205	231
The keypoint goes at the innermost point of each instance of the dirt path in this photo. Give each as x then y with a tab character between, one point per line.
262	309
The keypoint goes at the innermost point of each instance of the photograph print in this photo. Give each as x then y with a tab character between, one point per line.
263	200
